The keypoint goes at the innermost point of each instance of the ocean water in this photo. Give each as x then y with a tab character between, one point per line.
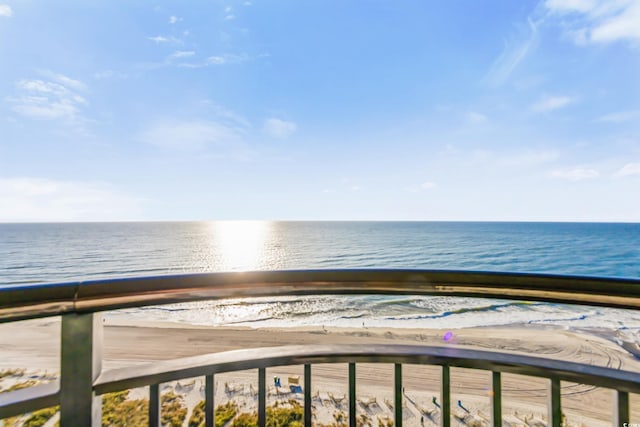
36	253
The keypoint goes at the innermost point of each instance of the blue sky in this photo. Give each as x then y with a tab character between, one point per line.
320	110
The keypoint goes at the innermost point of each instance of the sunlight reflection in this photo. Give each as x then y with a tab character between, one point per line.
241	245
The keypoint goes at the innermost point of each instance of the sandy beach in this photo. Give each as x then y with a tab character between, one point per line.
34	345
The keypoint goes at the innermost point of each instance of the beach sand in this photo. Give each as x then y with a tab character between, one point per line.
35	345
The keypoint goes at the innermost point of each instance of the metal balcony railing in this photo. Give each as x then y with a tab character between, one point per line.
82	380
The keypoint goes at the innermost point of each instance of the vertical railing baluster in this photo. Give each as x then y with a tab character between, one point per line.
445	397
555	405
352	395
154	405
262	398
620	408
496	399
209	402
80	365
307	395
398	394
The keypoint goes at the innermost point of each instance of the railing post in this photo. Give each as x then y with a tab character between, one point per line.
496	399
398	394
445	396
154	405
209	403
352	395
555	405
307	395
620	408
262	397
80	365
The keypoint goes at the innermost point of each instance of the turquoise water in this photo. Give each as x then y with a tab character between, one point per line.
32	253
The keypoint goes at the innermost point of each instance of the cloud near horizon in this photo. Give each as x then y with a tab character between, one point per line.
28	199
576	174
428	185
629	169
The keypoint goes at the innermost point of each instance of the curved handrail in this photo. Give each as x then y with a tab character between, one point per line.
32	301
266	357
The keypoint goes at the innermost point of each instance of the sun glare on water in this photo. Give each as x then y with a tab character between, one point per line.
241	245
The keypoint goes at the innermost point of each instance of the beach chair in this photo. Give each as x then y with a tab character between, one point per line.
324	398
367	402
461	406
186	386
295	380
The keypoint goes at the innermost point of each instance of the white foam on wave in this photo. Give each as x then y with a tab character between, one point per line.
384	312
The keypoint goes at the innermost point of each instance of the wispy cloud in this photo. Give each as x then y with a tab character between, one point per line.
58	97
278	128
551	103
425	186
502	159
228	58
620	116
190	136
576	174
229	117
598	21
629	169
174	19
515	50
64	80
182	54
216	60
428	185
38	199
165	39
476	118
6	11
229	13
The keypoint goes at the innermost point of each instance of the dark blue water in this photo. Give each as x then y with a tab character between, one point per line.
63	252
